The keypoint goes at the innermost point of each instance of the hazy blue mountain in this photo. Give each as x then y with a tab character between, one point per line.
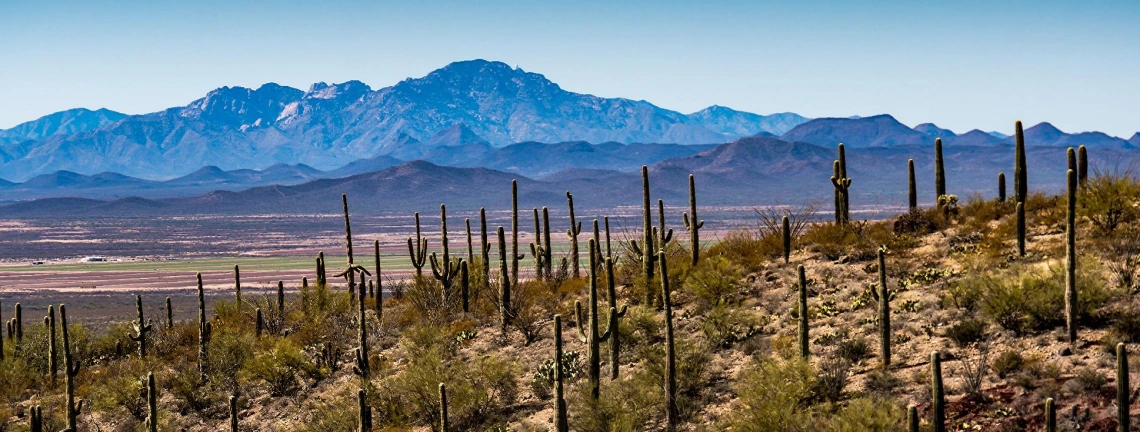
975	138
741	124
60	123
998	134
1135	140
932	130
875	131
1045	134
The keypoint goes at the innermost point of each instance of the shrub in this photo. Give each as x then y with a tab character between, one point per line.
1008	362
830	380
865	414
772	395
714	281
631	404
916	222
966	331
974	370
692	360
725	326
1109	199
279	366
1023	299
880	383
746	249
852	350
542	378
1087	380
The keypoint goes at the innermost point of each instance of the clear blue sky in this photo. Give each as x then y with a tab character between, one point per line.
961	65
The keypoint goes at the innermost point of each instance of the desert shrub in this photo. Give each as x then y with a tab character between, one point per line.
978	211
966	331
180	340
122	390
337	414
190	391
227	352
426	300
16	379
1086	380
713	282
880	383
830	380
279	366
1126	323
642	325
1109	200
1008	362
973	370
772	395
631	404
724	326
1023	299
746	249
692	361
917	222
858	240
853	349
863	414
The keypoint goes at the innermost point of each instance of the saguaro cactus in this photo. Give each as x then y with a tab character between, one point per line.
442	407
444	270
536	247
18	325
464	284
645	251
237	287
1001	187
281	299
911	418
1020	177
1123	390
692	224
233	414
938	401
615	315
671	413
572	234
1082	165
141	328
1050	415
515	232
321	277
1071	155
803	313
470	243
71	369
592	337
204	330
52	367
169	315
1020	213
260	322
939	170
417	249
1071	300
485	248
786	231
364	417
36	419
884	313
504	284
379	305
842	186
606	221
912	187
151	403
547	247
561	423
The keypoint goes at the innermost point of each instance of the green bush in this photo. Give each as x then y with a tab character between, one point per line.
1007	363
713	282
863	414
280	365
542	378
772	395
1024	299
966	331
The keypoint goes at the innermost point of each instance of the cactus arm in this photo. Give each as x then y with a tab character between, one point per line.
582	320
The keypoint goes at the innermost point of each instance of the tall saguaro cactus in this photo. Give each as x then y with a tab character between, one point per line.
1123	389
204	330
18	325
615	315
912	188
442	407
692	223
1082	165
36	418
786	233
417	249
444	270
663	236
1001	187
233	414
536	247
588	330
561	423
1050	415
141	328
911	418
938	400
364	415
515	232
1071	300
939	170
379	306
645	251
671	413
52	366
803	313
485	248
572	234
1020	177
464	285
151	403
547	247
169	314
884	313
1020	214
237	287
504	285
71	370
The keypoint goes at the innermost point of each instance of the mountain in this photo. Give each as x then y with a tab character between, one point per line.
1135	140
733	123
330	125
364	166
1045	134
930	129
975	138
60	123
875	131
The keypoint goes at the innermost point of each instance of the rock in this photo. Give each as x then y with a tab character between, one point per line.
1065	352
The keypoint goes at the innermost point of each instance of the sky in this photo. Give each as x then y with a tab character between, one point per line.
961	65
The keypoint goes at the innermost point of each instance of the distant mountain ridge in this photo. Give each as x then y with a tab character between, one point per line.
330	125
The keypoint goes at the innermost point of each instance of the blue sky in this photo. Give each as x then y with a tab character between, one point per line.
961	65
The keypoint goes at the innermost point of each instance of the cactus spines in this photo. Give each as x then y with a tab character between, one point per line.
203	329
912	188
515	232
560	419
1020	213
151	403
588	326
464	286
670	354
237	287
803	312
442	407
572	234
260	322
692	223
938	401
645	251
141	328
884	313
1050	415
379	305
233	414
444	270
52	367
911	418
71	369
1001	187
169	315
365	412
1082	165
485	248
786	231
939	170
1020	177
1123	390
1071	300
417	249
504	284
